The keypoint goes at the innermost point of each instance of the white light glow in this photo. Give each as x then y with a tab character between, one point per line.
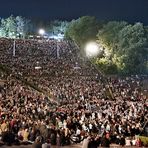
57	37
41	31
92	49
38	67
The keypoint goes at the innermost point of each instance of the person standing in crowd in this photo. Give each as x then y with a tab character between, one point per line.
37	143
46	145
86	142
105	142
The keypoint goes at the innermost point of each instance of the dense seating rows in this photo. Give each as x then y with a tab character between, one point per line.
74	103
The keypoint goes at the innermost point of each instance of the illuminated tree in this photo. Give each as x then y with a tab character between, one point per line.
57	27
127	44
3	32
108	35
82	30
14	27
20	22
133	44
11	27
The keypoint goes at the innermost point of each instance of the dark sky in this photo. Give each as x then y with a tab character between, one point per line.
129	10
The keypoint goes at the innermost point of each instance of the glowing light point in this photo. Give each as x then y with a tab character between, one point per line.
41	31
92	49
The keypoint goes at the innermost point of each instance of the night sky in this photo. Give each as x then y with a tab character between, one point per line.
128	10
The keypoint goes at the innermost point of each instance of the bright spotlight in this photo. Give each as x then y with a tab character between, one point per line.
41	31
92	49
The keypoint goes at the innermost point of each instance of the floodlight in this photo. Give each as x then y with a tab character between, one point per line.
38	67
92	49
41	31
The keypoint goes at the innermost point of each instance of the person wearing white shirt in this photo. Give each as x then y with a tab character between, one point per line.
127	141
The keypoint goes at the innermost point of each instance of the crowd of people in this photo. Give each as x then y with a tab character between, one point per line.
72	104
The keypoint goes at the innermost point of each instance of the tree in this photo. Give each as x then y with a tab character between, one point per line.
14	27
3	32
133	44
11	27
57	27
20	22
127	44
108	35
105	65
82	30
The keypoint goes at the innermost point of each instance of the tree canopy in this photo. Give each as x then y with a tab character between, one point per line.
82	30
127	44
13	27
